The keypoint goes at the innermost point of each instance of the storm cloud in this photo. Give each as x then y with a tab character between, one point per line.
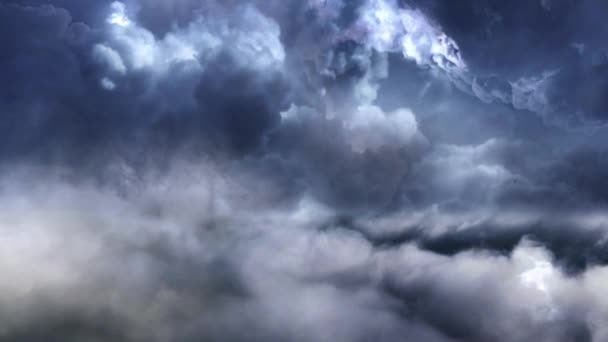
319	170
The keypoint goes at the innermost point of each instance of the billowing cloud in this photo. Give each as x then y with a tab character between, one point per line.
303	171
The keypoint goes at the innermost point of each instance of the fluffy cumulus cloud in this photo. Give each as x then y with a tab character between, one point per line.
311	170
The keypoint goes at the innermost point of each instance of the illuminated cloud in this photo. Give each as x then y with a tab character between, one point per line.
118	15
391	28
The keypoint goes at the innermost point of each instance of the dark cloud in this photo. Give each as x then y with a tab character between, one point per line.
514	45
247	112
303	171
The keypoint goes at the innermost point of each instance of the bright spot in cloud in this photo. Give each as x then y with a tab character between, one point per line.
119	15
391	28
537	276
107	84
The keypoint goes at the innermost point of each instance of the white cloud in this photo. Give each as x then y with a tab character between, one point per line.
118	15
390	28
530	93
369	128
254	42
107	84
110	57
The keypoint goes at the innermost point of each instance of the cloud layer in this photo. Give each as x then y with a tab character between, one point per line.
303	171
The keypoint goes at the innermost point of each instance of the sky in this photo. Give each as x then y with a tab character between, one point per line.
303	170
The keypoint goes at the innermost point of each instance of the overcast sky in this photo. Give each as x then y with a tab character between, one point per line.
303	170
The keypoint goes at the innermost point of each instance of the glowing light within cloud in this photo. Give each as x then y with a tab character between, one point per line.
118	15
390	28
538	276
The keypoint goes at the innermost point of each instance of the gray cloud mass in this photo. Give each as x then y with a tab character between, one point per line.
319	170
